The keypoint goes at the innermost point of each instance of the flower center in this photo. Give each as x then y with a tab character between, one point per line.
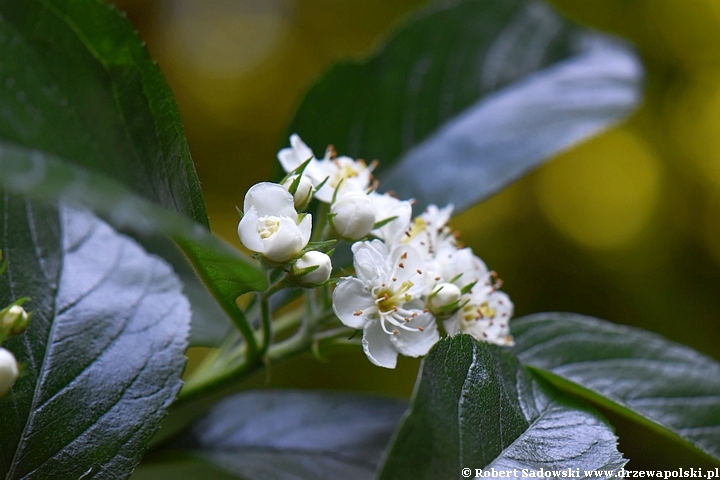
268	226
471	313
387	299
418	226
342	172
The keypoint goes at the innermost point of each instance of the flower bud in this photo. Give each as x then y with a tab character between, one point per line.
311	259
354	216
444	298
270	225
8	371
13	320
304	192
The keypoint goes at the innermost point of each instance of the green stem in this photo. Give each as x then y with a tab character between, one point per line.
228	304
319	228
266	322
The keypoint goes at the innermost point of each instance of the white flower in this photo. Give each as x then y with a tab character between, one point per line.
310	259
350	175
270	223
386	300
304	191
298	153
387	206
429	233
462	267
353	216
485	314
8	371
345	175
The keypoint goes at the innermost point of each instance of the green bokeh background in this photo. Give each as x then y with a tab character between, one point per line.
624	227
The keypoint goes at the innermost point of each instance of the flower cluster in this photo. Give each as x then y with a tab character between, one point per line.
412	277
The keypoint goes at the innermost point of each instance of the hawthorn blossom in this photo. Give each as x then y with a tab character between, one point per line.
484	311
353	216
339	176
485	316
270	225
430	235
444	298
8	371
304	192
387	206
14	319
311	259
386	300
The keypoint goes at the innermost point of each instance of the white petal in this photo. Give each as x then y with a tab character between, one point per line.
285	243
437	217
369	259
305	227
248	231
413	268
417	344
452	324
387	206
349	297
377	345
270	199
464	263
8	371
296	155
354	215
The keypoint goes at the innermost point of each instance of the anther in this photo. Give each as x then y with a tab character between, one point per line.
357	313
401	265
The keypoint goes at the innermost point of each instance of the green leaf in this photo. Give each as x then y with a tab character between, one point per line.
103	354
210	325
86	116
669	387
295	435
78	83
226	272
468	96
475	407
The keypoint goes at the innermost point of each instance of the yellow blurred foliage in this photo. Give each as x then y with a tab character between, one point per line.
489	214
694	123
603	193
711	227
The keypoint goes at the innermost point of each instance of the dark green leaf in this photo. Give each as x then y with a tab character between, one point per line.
77	83
87	117
296	435
475	407
210	325
103	354
227	272
468	96
670	387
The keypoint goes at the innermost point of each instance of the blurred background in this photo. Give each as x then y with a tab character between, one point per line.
625	226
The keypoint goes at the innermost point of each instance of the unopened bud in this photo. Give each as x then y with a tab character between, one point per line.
304	192
354	216
13	320
311	259
8	371
444	298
